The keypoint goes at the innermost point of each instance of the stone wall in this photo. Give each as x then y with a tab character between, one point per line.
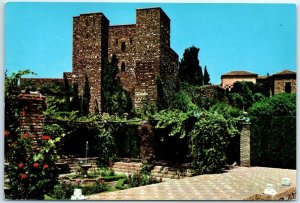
41	81
279	85
212	92
31	116
122	42
90	53
245	145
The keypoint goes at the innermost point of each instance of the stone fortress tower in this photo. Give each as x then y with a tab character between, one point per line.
143	50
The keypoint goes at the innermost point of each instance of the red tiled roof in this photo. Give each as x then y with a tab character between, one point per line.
239	73
285	72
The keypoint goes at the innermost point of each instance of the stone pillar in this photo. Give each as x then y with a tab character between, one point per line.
245	144
31	115
146	133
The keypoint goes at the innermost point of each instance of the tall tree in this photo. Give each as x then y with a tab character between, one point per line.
114	98
85	105
206	78
189	69
75	102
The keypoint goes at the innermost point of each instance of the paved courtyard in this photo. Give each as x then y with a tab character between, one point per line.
235	184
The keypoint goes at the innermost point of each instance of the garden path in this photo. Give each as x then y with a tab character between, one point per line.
234	184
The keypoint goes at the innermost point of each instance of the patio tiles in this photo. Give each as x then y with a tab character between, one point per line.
235	184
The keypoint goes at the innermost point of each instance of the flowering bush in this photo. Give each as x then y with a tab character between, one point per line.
32	170
138	179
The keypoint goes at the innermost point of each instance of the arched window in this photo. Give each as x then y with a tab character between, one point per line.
123	46
123	67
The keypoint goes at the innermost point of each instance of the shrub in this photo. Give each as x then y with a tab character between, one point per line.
226	110
273	131
106	149
209	138
121	184
94	188
32	170
138	179
62	191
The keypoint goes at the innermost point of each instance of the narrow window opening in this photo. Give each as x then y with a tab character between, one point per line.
116	42
131	41
123	67
123	46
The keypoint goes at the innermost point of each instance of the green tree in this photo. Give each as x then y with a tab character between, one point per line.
85	105
189	69
75	102
67	92
244	94
206	78
114	98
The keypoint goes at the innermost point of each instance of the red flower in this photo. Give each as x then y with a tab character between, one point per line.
35	165
21	165
6	133
25	135
45	137
24	176
45	166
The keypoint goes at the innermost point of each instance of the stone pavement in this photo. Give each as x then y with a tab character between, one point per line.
234	184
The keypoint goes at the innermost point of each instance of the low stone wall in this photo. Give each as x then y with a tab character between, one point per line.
127	167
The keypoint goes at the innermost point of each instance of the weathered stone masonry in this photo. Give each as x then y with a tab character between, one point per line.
90	53
31	117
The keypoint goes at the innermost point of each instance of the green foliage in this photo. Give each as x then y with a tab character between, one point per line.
32	171
206	78
62	191
226	110
146	168
75	100
127	140
121	184
94	188
176	120
209	138
12	90
189	69
183	101
244	94
105	145
51	89
273	131
114	98
283	104
85	104
138	179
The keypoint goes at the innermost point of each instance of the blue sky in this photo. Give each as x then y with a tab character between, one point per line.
259	38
